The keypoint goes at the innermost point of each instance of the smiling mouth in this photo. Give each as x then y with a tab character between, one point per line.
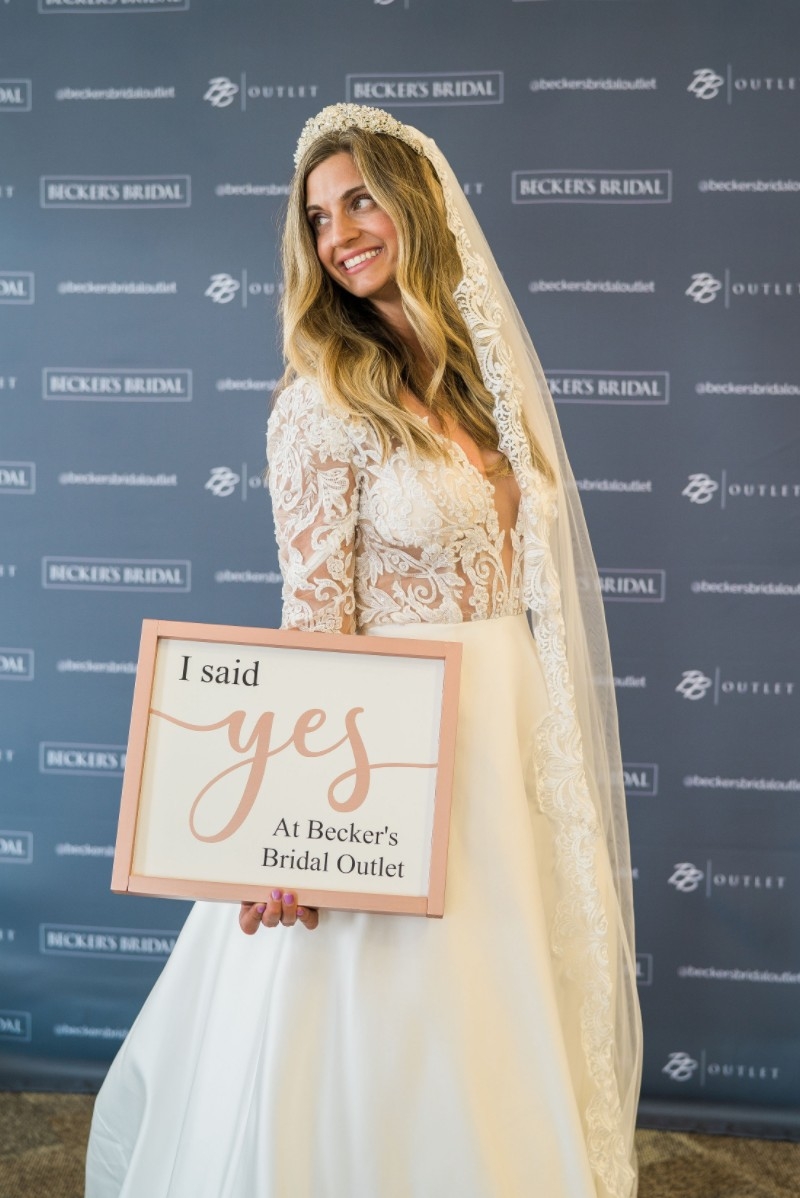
351	263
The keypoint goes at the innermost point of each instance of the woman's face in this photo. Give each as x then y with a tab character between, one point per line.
356	240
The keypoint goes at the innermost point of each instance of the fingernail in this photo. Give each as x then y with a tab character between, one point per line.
276	894
288	898
301	912
261	909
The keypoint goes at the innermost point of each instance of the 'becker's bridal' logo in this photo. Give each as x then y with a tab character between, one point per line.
609	386
15	1025
134	944
591	187
17	478
15	95
115	574
115	191
16	848
640	778
16	287
127	384
633	586
427	88
16	664
80	759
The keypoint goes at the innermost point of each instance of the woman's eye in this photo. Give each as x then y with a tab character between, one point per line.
362	201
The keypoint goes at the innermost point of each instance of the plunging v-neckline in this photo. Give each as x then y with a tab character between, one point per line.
491	495
509	532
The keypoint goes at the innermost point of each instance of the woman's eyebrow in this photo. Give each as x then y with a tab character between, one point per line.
344	196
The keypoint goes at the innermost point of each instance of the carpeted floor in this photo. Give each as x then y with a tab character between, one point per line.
43	1138
42	1144
678	1165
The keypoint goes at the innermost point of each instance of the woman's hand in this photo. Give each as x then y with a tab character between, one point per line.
281	908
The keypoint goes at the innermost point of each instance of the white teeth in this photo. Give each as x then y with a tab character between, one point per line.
349	263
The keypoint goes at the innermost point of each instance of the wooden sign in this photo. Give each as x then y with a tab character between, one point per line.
320	764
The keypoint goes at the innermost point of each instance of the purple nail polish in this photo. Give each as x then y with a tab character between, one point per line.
276	894
288	898
261	909
301	912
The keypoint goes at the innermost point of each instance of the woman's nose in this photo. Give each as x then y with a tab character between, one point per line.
343	228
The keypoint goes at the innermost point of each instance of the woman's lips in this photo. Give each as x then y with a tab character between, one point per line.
361	259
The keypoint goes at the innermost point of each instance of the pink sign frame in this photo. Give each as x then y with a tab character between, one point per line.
155	852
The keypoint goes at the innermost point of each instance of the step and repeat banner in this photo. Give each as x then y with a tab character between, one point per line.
633	166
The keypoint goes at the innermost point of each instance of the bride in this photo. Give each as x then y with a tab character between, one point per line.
419	489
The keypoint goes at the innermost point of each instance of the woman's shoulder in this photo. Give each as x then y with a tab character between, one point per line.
296	397
302	406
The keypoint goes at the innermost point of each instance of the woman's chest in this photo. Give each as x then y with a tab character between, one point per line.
407	503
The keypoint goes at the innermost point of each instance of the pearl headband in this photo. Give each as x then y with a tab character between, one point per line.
338	118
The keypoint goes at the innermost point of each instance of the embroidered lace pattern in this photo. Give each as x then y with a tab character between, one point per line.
366	542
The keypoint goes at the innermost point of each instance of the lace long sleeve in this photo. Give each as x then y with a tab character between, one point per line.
314	495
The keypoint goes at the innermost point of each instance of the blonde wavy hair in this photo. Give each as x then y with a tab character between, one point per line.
340	342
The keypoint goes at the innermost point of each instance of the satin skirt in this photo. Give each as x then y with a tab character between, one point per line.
379	1056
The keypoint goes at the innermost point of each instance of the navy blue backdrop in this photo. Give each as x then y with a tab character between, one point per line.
634	167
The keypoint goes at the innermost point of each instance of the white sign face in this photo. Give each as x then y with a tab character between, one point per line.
288	764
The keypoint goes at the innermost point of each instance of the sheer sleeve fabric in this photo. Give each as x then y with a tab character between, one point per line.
312	483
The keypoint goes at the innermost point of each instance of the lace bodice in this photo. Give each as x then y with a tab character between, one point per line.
362	541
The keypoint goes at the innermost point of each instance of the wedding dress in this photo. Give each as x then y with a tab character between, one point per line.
398	1056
